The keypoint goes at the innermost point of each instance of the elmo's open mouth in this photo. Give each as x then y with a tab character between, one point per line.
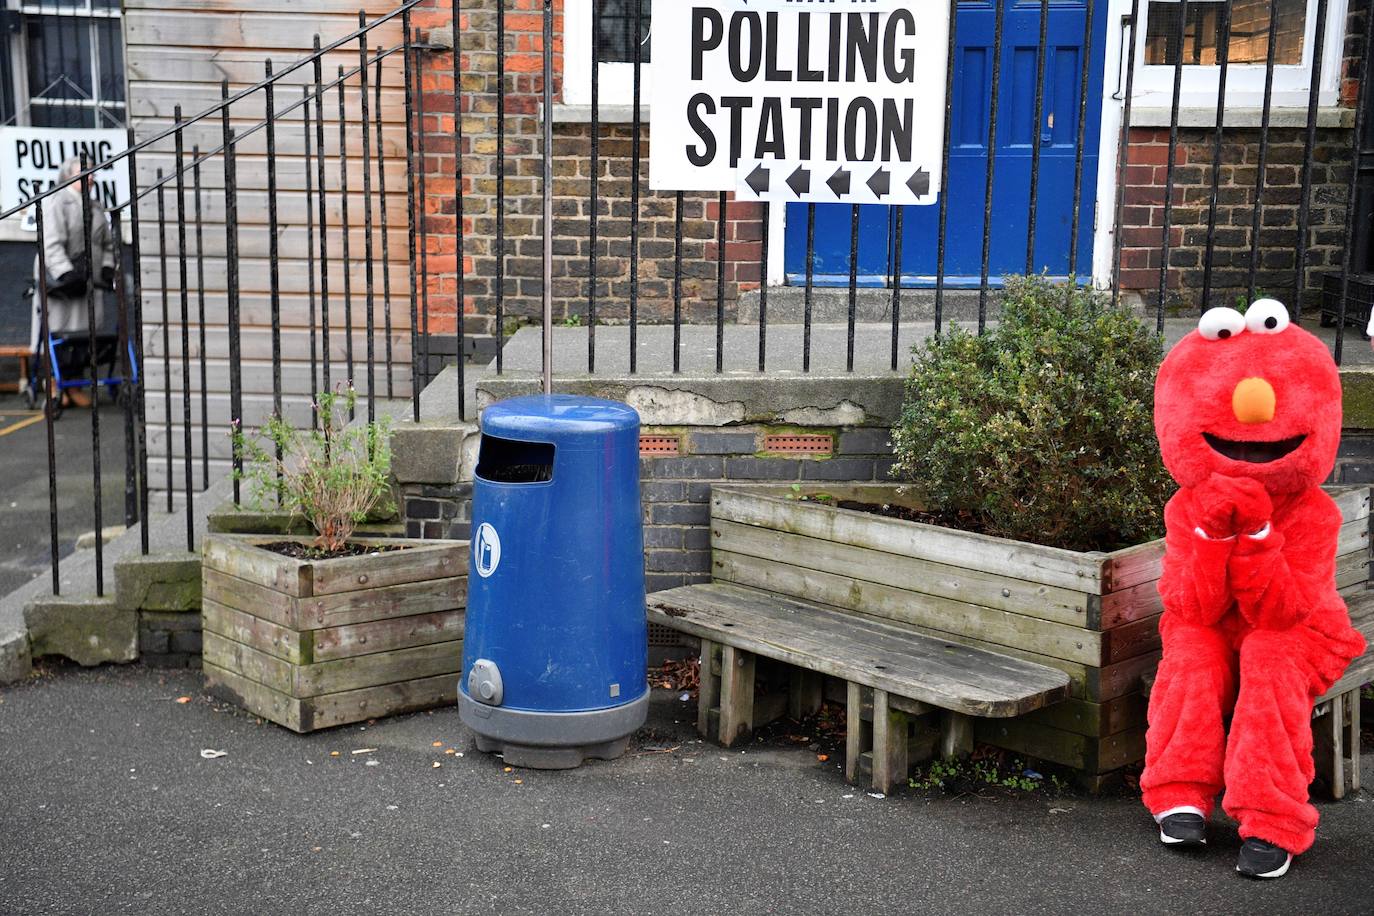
1253	452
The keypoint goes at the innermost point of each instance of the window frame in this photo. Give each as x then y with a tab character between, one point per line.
1154	83
616	79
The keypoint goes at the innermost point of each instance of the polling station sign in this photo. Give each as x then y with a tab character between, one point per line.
798	100
31	159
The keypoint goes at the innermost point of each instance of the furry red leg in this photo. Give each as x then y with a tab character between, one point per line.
1186	741
1269	758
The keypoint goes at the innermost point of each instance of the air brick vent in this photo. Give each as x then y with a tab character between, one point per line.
800	445
660	445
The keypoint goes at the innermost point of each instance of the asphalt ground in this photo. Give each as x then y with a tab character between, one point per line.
107	806
25	540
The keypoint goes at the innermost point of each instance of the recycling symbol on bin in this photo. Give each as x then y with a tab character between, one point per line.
486	550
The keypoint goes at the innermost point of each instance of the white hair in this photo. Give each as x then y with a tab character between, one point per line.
70	168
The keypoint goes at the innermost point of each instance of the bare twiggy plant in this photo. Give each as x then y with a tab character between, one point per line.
334	475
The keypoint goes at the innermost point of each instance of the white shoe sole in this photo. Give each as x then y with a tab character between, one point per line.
1175	841
1276	873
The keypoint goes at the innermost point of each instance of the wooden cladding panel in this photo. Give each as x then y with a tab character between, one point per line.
272	33
177	54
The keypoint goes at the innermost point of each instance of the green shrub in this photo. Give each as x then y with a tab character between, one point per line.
1042	429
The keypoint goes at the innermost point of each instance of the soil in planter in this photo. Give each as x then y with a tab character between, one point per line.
961	521
299	551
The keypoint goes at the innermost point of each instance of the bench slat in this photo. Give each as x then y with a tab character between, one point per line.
1361	670
866	652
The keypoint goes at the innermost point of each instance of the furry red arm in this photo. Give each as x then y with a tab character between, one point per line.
1194	581
1280	579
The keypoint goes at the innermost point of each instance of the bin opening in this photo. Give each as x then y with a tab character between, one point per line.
511	461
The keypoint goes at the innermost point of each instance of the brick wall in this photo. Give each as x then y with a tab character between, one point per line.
1143	215
573	205
438	512
676	489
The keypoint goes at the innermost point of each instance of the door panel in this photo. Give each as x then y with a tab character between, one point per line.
1010	211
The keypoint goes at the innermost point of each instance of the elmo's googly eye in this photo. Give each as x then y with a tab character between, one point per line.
1221	323
1266	316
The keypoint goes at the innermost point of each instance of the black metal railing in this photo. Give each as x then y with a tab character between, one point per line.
264	275
1162	298
169	311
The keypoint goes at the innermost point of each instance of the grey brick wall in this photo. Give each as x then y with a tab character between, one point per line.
169	639
438	512
676	490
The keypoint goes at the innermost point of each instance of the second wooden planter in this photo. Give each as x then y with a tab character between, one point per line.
311	644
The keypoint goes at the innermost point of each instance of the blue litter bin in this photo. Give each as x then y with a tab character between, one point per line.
555	649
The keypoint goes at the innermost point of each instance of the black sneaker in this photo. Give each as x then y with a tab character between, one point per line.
1183	829
1259	859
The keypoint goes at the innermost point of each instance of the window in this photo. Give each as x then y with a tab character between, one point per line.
616	43
1249	38
1164	40
66	65
614	50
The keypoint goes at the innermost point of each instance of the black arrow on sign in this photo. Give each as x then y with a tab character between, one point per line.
881	182
839	182
800	181
758	180
919	183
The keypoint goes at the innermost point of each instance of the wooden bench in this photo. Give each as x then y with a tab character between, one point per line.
895	677
21	353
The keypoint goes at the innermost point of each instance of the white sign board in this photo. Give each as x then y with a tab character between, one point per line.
794	100
31	159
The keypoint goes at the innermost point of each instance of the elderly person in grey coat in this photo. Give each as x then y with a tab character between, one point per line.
63	246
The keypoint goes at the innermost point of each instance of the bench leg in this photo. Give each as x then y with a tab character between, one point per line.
708	693
853	732
736	695
1353	701
804	693
1337	721
891	730
956	735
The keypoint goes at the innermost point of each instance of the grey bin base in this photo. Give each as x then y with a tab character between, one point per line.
552	740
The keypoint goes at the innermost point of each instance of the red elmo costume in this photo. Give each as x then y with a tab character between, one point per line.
1248	415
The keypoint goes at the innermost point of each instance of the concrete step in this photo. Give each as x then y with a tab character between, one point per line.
830	305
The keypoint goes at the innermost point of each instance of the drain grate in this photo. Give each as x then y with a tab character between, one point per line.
800	445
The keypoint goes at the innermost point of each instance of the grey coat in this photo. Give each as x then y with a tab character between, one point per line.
63	241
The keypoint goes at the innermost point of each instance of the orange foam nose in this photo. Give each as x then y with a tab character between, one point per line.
1254	401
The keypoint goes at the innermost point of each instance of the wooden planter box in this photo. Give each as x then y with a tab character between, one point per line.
1092	615
314	644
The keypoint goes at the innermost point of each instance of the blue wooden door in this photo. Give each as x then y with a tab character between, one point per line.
1010	218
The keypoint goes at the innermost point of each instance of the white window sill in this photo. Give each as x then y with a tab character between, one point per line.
606	114
1203	116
